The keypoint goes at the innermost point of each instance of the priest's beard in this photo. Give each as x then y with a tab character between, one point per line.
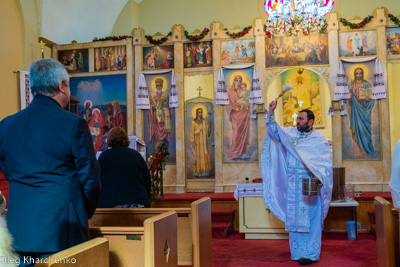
304	127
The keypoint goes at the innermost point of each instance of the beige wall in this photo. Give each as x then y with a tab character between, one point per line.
11	55
160	16
19	32
127	19
394	105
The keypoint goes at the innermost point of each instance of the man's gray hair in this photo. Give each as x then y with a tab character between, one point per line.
45	75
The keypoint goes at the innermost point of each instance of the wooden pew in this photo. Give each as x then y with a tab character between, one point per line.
90	253
396	235
152	245
194	228
384	232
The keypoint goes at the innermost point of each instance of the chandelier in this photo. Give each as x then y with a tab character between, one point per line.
294	17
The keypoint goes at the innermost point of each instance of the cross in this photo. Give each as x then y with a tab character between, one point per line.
301	102
199	89
294	116
42	44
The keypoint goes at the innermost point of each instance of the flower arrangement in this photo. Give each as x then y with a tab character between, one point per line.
197	37
158	41
239	34
324	27
394	19
112	38
161	155
268	33
359	25
290	32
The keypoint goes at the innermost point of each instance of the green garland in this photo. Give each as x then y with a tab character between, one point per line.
268	33
324	27
238	34
158	41
112	38
356	25
197	37
394	19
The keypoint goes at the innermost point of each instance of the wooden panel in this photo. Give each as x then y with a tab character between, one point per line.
384	232
142	246
396	237
126	245
90	253
137	216
257	222
161	243
201	229
215	205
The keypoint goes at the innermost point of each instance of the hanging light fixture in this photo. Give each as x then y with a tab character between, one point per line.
294	17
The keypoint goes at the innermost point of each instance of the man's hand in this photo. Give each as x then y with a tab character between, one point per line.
272	107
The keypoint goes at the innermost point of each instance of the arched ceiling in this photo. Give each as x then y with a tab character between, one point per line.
62	21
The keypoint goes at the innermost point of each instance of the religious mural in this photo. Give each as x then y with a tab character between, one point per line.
158	57
361	126
197	54
110	58
199	134
296	50
393	42
159	120
304	95
355	44
102	103
76	60
239	130
238	51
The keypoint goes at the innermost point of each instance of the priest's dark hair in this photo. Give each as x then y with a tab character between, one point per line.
117	137
310	114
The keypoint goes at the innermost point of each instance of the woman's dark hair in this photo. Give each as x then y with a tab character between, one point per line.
117	137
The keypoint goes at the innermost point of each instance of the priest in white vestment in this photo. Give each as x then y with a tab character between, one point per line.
289	155
395	177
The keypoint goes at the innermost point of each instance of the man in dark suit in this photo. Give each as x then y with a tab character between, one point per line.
47	155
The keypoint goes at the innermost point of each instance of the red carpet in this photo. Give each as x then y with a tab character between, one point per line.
195	196
337	250
228	196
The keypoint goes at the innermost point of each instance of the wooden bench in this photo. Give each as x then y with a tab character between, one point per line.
152	245
90	253
396	235
384	232
194	228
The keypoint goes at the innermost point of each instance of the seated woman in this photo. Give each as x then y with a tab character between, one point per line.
125	177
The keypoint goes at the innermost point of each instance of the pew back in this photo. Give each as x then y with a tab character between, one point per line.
90	253
153	244
396	235
384	232
201	231
194	228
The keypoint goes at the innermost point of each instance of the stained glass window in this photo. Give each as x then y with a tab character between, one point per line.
275	8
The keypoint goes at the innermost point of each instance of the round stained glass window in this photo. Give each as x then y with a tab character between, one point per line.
275	8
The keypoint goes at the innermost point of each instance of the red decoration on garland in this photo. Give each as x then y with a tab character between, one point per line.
238	34
159	41
197	37
394	19
356	25
112	38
